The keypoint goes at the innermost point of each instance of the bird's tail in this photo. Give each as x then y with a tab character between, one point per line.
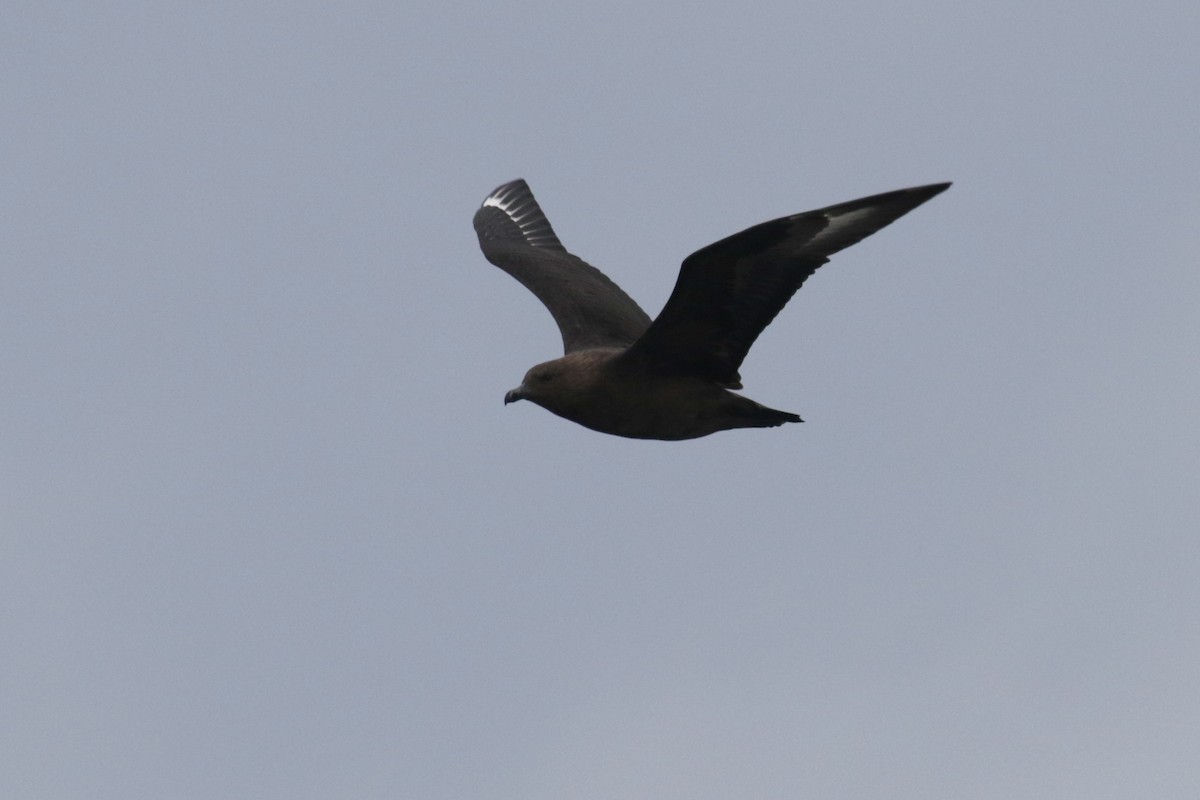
749	414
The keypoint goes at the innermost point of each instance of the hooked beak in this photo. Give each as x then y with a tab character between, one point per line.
515	395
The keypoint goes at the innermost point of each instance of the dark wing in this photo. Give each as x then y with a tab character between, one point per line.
591	310
728	292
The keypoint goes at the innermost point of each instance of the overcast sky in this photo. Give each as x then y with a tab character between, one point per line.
268	530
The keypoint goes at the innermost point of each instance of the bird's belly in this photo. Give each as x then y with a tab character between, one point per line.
657	409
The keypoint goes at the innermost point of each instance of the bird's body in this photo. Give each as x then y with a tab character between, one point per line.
669	378
609	390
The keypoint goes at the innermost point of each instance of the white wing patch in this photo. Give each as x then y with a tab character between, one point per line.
516	202
838	224
503	201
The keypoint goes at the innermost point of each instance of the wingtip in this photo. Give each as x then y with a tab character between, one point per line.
917	195
505	192
516	202
929	190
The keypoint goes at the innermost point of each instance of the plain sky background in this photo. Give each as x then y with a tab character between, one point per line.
269	532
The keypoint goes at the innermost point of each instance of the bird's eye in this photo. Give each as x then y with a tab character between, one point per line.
545	377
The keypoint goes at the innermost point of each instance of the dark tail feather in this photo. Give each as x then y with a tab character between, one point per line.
750	414
769	417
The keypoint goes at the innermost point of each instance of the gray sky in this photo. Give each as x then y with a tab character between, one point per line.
269	532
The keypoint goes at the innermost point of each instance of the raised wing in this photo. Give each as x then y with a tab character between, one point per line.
728	292
591	310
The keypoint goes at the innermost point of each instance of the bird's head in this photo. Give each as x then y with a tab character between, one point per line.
539	385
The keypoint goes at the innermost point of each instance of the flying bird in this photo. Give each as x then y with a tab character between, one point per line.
670	378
